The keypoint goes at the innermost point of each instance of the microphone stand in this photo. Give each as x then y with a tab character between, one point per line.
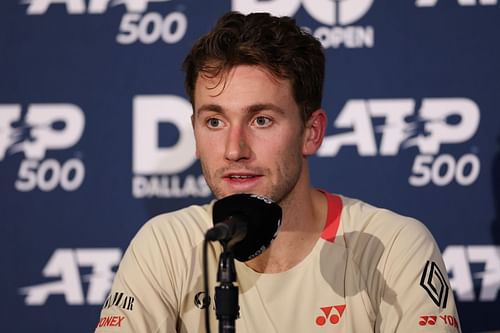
226	294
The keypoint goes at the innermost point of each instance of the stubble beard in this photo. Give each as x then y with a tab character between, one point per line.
279	191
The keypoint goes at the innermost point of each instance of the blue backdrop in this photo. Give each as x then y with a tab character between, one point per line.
95	136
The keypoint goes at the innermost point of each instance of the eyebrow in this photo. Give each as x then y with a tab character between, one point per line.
209	108
264	106
254	108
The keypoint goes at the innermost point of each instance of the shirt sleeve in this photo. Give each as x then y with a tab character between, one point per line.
142	297
417	296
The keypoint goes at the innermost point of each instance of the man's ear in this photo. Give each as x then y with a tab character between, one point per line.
314	132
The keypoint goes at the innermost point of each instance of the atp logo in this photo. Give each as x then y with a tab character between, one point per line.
75	7
136	25
157	165
436	123
474	272
337	15
43	128
66	264
328	316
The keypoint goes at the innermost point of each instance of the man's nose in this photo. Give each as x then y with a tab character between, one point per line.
237	146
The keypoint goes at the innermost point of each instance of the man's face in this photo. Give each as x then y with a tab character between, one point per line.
249	133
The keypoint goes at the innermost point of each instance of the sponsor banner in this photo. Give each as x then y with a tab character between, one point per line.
428	129
64	265
335	21
160	171
139	24
36	133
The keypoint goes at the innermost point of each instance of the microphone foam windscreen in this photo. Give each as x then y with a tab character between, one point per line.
262	216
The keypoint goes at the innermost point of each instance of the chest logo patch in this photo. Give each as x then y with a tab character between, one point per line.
202	300
331	314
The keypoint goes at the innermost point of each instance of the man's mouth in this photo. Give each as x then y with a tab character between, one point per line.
241	176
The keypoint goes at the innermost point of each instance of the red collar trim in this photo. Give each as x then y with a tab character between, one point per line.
332	218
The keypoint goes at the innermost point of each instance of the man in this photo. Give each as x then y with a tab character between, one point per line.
337	264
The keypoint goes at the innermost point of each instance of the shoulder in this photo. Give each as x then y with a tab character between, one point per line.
374	235
360	217
164	246
392	253
185	227
155	269
171	235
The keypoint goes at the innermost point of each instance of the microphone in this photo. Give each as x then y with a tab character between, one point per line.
246	223
231	230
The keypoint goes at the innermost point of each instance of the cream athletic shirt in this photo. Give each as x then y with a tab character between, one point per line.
371	271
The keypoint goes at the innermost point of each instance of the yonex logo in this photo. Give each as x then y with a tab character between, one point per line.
329	316
442	320
110	321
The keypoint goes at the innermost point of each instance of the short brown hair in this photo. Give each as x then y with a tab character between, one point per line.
275	43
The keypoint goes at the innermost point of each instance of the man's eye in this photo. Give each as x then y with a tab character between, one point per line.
262	121
214	123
